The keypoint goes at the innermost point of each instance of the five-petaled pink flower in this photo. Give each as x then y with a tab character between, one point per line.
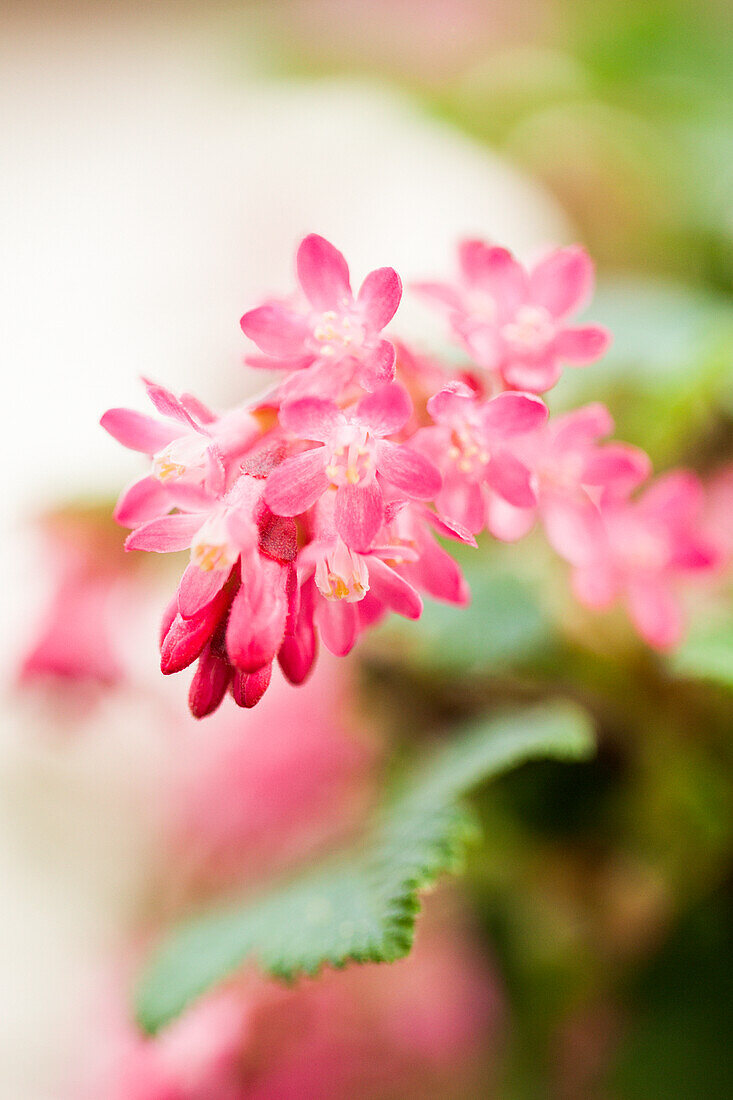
331	328
354	453
649	546
469	443
514	321
190	450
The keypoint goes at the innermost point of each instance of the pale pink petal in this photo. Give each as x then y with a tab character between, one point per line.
311	418
384	411
276	330
496	271
507	523
296	484
338	623
438	574
143	500
595	585
675	496
510	478
452	402
562	281
574	529
379	297
655	612
582	426
137	431
449	529
582	344
167	404
378	366
166	534
392	589
408	470
198	588
535	377
617	467
483	344
462	503
513	413
197	409
359	513
442	293
323	273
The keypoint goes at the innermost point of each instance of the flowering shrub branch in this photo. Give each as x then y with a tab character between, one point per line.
311	513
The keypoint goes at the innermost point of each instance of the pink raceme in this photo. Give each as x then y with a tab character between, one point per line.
312	512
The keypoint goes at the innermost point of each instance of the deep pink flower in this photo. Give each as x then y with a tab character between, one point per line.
191	451
332	328
470	446
514	321
649	546
355	450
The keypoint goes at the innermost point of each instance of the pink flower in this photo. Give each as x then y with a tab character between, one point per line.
513	321
470	445
573	473
190	448
355	450
650	546
332	328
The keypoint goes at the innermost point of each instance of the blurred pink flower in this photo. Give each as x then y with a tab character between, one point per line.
650	545
514	321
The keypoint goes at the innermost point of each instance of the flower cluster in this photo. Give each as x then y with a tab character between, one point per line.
313	511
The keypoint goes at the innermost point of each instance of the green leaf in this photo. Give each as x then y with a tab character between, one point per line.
708	656
362	905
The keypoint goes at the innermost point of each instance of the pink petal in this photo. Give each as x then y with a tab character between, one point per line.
675	496
408	470
462	502
167	404
562	281
276	330
507	523
311	418
536	377
338	623
166	534
378	366
452	402
510	478
197	409
513	413
581	345
198	588
379	297
296	484
496	271
385	411
617	467
392	589
574	529
438	574
582	426
449	530
138	432
209	684
323	273
359	514
144	500
655	612
442	293
595	585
